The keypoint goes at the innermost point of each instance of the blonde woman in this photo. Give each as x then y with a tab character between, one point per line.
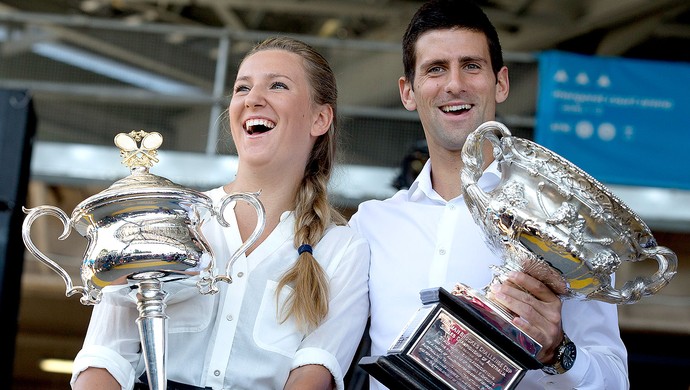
297	307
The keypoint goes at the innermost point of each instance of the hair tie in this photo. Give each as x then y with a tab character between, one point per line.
304	248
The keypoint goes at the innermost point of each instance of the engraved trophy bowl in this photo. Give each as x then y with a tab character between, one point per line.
143	231
552	220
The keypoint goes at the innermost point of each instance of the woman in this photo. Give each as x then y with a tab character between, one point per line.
294	314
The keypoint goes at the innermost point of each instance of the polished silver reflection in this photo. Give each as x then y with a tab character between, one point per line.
552	220
144	231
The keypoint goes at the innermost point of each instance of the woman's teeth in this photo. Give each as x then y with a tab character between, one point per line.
258	126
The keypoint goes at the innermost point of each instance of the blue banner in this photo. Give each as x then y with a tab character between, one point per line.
623	121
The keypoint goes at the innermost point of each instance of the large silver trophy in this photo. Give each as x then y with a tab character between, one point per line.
144	231
547	218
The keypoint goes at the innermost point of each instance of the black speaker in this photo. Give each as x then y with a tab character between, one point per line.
17	130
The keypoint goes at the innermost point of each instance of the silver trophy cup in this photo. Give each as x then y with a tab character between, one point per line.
145	231
550	219
546	218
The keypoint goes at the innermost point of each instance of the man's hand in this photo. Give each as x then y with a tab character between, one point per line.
537	309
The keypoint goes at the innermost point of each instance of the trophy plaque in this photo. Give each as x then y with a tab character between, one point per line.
444	346
546	218
144	231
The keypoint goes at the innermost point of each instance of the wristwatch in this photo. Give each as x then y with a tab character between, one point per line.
565	357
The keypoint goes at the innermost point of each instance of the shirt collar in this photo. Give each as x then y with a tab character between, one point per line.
422	188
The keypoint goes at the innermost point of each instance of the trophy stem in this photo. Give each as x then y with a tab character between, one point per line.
483	297
152	323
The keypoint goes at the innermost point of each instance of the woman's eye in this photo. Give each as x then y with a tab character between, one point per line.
279	85
241	88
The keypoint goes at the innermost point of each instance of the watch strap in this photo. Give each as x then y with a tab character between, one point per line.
565	357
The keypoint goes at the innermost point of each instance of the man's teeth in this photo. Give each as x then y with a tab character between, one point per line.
456	108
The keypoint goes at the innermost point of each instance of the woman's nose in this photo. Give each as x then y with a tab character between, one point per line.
254	98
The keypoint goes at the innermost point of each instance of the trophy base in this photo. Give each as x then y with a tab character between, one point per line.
455	342
396	372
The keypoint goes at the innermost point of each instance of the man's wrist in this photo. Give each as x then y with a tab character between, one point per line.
565	357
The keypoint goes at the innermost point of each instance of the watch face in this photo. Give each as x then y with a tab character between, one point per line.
568	358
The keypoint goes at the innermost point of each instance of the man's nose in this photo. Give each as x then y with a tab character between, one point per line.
456	81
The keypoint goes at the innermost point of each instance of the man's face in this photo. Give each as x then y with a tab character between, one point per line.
455	89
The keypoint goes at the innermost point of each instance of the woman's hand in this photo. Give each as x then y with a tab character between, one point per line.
310	377
96	379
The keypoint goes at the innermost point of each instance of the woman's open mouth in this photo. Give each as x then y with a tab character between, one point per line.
258	126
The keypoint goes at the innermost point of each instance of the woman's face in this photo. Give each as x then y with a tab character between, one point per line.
272	117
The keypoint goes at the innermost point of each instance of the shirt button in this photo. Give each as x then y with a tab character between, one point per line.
240	274
229	317
216	372
451	206
441	251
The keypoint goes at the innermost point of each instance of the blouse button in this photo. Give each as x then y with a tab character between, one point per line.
240	274
229	317
216	372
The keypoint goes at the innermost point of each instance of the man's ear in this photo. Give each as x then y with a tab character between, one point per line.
407	94
502	85
323	120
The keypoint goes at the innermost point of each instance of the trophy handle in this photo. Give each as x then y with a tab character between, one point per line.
207	284
473	160
642	286
32	215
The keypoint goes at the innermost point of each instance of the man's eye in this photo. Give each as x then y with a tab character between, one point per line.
435	69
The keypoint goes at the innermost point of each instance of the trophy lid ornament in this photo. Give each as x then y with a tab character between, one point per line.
139	148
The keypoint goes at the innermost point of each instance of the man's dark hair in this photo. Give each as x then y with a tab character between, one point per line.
448	14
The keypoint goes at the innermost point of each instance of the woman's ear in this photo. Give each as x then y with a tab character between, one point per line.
323	120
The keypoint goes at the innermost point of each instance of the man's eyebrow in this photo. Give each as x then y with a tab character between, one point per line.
474	59
434	62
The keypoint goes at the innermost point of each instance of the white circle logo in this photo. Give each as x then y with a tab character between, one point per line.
606	131
584	129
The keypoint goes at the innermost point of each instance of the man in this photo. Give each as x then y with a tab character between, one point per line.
425	237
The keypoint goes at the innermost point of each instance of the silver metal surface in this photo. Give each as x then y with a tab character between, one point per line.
153	327
552	220
144	230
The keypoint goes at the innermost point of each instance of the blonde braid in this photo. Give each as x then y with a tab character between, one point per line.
308	301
